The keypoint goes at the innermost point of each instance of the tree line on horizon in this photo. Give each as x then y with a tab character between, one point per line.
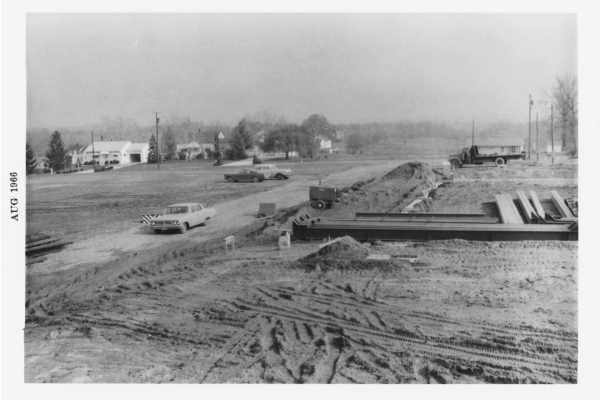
279	134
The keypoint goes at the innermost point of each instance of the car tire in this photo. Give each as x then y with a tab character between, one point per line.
455	164
286	177
320	205
279	177
205	222
499	161
255	179
230	179
157	231
184	228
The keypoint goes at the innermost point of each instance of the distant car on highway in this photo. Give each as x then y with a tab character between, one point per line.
272	172
246	175
182	216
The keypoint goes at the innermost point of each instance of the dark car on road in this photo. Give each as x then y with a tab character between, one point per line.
246	175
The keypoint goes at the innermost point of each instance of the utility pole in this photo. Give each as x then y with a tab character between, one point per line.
552	129
537	139
93	152
292	143
473	139
157	142
529	144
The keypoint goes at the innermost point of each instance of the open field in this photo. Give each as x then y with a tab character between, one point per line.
124	305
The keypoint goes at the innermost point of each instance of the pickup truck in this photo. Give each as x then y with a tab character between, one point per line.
471	155
182	216
272	172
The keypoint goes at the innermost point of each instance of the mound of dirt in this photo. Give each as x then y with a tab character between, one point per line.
344	255
346	247
412	171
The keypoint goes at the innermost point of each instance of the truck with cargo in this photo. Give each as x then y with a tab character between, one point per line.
471	156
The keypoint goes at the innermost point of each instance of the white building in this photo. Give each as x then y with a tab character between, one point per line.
75	151
324	143
499	145
123	152
138	152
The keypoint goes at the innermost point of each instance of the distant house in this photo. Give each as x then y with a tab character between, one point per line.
498	145
123	152
323	142
546	145
75	151
336	134
138	152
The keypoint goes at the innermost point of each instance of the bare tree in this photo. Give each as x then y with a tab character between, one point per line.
564	96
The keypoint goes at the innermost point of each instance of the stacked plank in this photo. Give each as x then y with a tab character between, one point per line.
538	206
530	214
562	206
507	210
37	248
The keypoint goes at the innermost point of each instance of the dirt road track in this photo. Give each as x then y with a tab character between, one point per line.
129	237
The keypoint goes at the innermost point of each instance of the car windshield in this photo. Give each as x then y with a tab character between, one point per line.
177	210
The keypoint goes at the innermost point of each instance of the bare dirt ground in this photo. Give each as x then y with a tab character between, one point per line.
130	306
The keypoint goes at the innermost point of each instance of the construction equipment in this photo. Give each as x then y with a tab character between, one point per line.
322	197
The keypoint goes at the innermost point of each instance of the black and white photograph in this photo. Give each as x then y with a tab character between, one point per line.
296	198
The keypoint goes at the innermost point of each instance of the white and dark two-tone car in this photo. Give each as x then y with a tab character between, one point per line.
271	171
182	216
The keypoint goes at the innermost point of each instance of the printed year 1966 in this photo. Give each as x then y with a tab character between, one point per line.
14	201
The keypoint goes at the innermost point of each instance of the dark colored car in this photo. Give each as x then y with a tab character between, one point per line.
247	175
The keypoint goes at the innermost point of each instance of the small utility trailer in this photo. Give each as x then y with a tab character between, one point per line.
322	197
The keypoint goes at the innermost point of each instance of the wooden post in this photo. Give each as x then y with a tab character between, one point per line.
537	140
157	143
552	129
93	152
529	143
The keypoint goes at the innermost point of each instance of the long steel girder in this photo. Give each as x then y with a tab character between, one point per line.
306	228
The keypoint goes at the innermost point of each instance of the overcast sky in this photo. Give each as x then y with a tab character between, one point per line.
349	67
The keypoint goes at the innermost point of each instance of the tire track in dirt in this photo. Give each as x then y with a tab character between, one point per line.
429	344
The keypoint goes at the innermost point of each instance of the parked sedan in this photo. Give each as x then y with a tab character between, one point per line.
246	175
182	216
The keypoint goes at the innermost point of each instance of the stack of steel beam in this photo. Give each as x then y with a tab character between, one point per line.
425	227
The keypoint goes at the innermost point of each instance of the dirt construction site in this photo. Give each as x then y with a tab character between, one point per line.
121	304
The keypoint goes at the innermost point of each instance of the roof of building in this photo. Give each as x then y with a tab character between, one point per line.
137	146
107	146
508	141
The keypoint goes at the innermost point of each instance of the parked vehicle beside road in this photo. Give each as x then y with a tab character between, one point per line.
246	175
271	171
182	217
322	197
471	155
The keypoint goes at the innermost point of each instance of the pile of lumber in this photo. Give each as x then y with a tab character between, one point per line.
533	211
38	246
